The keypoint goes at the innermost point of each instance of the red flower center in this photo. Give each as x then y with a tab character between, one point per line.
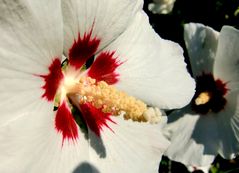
102	69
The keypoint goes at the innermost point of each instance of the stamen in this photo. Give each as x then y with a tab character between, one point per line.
109	99
202	98
152	115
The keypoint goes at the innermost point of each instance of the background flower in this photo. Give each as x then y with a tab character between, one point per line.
215	14
198	135
161	6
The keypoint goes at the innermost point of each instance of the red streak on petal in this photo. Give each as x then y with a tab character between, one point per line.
65	123
83	49
103	68
95	118
52	80
221	86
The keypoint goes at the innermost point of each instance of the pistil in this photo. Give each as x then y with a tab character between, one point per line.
203	98
210	94
110	100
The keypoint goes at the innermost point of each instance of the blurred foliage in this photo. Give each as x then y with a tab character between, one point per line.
219	165
214	13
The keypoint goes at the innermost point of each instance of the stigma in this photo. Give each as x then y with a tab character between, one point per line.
210	94
202	98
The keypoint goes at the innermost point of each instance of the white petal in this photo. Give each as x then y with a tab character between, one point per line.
201	42
228	123
226	65
106	18
204	169
131	147
153	69
226	68
194	139
31	36
161	6
32	144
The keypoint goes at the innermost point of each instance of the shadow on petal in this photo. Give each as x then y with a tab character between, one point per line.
97	144
176	114
86	168
194	137
206	133
95	141
201	44
221	128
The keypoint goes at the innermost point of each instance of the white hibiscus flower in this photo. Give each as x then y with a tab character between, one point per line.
210	124
161	6
60	115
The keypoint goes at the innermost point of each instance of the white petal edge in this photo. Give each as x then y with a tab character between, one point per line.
228	127
31	36
226	65
226	69
153	69
201	42
32	144
131	147
107	19
194	139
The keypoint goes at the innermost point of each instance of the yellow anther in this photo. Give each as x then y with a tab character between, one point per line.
202	98
152	115
109	99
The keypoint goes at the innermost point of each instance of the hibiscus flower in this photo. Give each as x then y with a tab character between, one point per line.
161	6
86	110
209	125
